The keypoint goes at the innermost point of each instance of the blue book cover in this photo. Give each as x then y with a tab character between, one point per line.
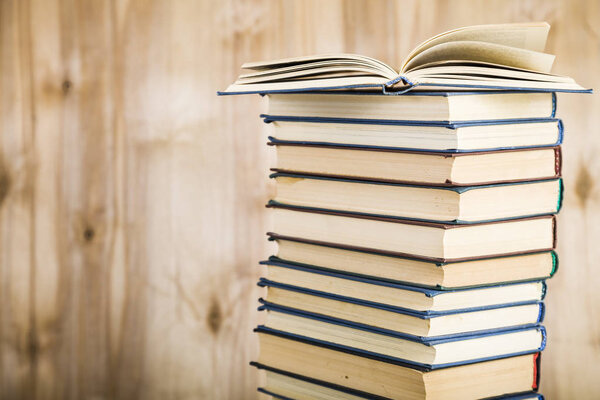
273	141
444	124
428	292
451	125
269	306
554	257
403	362
428	341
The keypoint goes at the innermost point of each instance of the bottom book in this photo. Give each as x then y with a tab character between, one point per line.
363	374
287	386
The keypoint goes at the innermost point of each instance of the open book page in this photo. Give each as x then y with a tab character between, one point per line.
327	72
316	70
367	82
261	65
529	36
464	70
338	63
484	52
452	82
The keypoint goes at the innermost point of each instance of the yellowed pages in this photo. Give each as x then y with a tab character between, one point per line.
484	52
300	68
529	36
314	73
260	65
479	57
444	68
360	81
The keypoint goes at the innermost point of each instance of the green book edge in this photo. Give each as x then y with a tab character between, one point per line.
554	264
561	193
434	287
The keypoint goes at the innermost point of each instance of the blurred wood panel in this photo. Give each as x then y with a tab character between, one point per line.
131	197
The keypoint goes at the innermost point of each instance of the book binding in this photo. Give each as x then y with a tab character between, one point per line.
273	141
426	340
393	360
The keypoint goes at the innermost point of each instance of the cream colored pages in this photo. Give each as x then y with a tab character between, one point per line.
300	68
370	81
478	57
529	36
444	68
260	65
450	83
328	71
484	52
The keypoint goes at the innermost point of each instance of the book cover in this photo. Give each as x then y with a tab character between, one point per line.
428	292
361	394
448	182
457	189
429	340
438	225
407	363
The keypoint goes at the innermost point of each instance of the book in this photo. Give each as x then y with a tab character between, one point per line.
419	239
288	386
402	135
349	288
420	326
414	271
423	352
418	167
416	109
428	203
500	56
383	376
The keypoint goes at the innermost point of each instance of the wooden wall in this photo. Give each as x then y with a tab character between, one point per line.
131	197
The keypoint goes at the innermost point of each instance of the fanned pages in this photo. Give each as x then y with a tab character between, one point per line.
528	36
502	56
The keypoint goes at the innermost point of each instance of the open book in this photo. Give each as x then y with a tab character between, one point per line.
503	56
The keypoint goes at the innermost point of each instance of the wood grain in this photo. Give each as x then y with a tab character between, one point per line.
131	197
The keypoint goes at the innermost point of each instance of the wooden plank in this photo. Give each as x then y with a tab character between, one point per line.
131	197
17	242
570	364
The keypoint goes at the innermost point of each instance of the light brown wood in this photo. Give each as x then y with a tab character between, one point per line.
131	197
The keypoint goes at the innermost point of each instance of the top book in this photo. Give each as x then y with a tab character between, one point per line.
502	56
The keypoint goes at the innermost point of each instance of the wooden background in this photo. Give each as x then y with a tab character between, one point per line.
131	197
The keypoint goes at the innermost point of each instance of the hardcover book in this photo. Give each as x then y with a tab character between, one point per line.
414	109
414	271
418	167
418	325
502	56
431	353
289	386
409	135
426	203
410	298
387	377
425	240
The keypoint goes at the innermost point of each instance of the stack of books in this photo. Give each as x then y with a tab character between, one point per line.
415	229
